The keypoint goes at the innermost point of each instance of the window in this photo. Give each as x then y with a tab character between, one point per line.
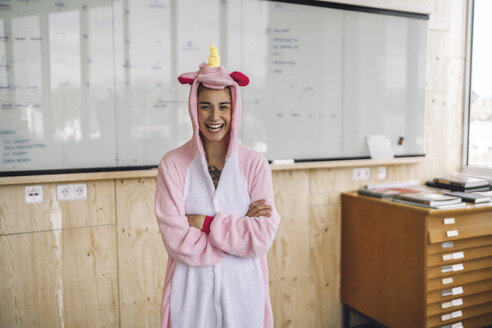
477	155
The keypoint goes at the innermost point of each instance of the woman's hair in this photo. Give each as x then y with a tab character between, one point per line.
201	87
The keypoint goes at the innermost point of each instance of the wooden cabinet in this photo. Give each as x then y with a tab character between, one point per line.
408	266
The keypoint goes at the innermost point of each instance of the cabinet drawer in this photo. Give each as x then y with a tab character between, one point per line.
439	235
458	303
475	322
457	315
449	221
461	244
441	295
459	255
458	279
446	270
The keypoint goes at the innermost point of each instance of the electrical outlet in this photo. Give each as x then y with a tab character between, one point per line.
63	192
362	173
382	173
79	191
34	194
71	191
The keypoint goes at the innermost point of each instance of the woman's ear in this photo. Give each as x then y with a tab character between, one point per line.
241	79
187	78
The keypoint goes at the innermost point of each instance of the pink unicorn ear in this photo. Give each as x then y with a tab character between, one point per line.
241	79
187	78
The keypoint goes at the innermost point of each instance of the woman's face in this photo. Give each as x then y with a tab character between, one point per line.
214	113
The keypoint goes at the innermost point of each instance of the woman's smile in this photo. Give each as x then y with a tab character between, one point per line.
215	127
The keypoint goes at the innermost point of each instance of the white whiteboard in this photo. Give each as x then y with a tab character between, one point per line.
92	84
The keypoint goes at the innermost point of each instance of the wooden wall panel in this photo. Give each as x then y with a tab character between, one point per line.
324	268
400	172
332	180
16	216
289	256
304	260
59	278
141	253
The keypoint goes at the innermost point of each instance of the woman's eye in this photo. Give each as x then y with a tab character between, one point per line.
205	107
224	107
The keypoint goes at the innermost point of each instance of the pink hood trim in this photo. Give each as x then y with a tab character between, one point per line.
215	78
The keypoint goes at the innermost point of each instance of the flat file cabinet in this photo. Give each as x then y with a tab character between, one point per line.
409	266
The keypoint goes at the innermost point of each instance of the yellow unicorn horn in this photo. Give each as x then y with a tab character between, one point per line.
214	58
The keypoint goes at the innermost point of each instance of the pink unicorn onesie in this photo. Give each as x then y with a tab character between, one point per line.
217	278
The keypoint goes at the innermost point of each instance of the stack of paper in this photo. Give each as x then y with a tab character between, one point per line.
430	200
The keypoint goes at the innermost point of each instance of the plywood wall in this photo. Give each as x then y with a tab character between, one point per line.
141	254
101	262
58	264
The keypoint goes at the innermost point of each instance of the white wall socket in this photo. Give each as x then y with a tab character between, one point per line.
71	191
382	173
361	173
34	194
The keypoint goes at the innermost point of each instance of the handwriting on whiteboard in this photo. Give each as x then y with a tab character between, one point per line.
284	46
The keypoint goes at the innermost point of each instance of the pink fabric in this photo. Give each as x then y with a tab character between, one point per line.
247	237
214	78
183	243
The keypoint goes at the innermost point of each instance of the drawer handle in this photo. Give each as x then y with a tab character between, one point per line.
452	233
447	244
452	268
452	291
456	302
447	281
453	256
452	315
458	267
454	325
449	221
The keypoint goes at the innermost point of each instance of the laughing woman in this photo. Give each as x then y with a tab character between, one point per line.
216	213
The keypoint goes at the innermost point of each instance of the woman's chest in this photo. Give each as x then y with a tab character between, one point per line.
231	195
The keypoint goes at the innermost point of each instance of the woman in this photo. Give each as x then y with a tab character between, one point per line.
216	213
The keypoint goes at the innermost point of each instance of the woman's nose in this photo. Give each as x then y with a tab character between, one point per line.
215	113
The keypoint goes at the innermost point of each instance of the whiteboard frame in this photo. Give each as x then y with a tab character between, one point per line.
333	5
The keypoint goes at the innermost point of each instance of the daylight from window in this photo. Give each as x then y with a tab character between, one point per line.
480	128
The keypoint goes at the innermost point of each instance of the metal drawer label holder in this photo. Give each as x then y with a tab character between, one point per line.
453	291
453	256
455	302
452	233
449	221
452	315
447	281
452	268
447	244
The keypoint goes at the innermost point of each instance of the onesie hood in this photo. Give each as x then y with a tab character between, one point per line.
214	76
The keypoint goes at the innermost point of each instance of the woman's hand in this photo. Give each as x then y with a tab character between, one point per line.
196	220
259	208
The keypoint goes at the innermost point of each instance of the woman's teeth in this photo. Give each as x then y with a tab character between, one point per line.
215	127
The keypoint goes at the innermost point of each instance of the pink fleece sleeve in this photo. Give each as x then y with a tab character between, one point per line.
249	237
184	244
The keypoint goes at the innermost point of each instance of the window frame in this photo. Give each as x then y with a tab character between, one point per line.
466	168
